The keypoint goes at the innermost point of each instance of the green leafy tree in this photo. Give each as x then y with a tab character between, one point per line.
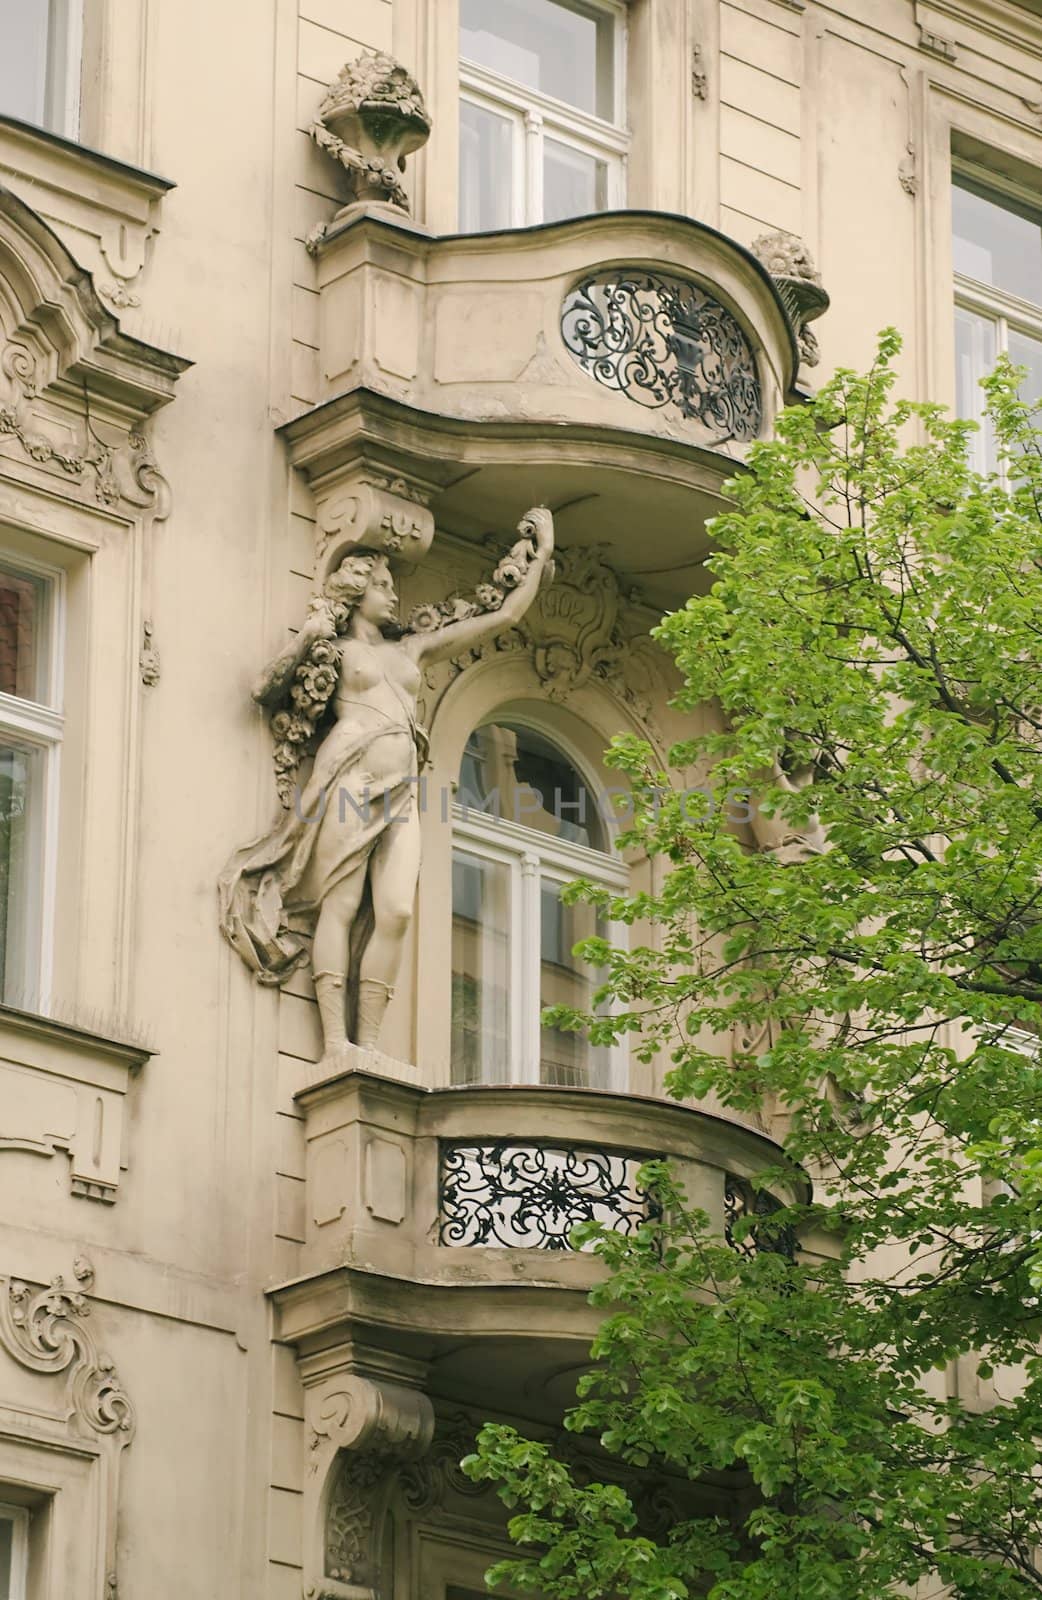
873	638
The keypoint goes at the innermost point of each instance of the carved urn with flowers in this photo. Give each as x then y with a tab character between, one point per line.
372	117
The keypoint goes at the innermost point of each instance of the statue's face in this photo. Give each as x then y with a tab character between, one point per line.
379	603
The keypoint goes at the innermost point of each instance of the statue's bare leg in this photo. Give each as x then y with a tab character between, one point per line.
393	869
329	955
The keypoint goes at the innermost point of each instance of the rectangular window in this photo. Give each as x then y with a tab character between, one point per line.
542	121
31	728
14	1552
997	257
40	62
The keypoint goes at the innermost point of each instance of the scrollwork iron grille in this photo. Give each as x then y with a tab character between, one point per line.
531	1196
664	341
741	1200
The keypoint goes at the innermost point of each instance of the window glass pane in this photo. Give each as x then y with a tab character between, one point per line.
1027	352
574	183
563	50
480	969
997	243
20	774
976	348
568	1059
6	1558
23	58
514	774
24	606
486	169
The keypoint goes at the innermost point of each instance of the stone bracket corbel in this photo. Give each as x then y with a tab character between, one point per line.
366	507
365	1412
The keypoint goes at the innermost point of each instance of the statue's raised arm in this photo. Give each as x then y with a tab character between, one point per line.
440	631
344	859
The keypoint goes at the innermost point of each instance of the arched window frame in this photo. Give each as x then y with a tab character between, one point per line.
534	859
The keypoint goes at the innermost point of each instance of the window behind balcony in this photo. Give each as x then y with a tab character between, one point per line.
997	256
30	743
39	62
541	110
527	823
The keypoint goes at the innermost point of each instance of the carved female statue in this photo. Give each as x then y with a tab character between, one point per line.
348	852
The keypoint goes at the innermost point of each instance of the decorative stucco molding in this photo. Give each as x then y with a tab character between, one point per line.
64	1092
107	212
45	1330
576	634
699	76
936	45
149	663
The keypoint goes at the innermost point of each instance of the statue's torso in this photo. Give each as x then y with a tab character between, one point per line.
376	693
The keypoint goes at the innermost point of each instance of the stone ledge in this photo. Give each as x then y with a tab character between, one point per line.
63	1089
104	211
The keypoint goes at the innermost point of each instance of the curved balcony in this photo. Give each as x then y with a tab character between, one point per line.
581	363
438	1221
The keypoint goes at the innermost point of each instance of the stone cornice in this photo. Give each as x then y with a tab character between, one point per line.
447	448
72	1039
74	166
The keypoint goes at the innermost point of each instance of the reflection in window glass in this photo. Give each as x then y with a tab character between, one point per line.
19	800
480	969
23	635
34	61
975	353
516	775
568	1059
486	169
997	243
24	26
574	183
1027	352
559	49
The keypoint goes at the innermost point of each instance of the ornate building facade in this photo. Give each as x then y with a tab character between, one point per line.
305	304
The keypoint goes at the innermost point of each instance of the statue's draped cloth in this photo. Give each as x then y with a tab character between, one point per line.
333	827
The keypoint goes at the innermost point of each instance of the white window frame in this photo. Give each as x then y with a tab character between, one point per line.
1002	309
531	857
40	727
18	1516
535	117
62	98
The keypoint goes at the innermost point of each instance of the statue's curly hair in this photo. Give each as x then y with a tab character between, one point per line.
314	681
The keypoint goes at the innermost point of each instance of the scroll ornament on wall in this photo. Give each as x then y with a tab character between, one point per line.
45	1330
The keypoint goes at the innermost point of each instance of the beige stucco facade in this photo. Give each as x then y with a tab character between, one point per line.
195	406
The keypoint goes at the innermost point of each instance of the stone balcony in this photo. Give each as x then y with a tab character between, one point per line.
437	1218
583	363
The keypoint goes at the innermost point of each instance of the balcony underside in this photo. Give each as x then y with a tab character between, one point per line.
645	497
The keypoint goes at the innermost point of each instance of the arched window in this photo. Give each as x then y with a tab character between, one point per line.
526	823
